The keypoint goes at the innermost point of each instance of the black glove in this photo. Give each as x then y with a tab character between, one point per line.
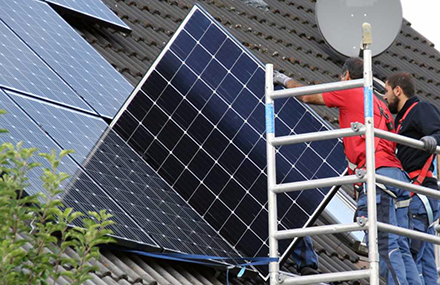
280	78
430	144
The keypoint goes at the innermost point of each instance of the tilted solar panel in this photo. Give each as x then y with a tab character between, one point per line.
197	117
68	55
92	9
128	180
22	70
82	193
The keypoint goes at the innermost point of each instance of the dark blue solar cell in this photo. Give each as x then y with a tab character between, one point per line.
283	167
141	139
255	153
233	229
91	9
140	106
261	224
201	164
257	119
183	45
215	144
200	129
214	74
185	79
228	53
197	25
295	217
281	129
232	194
323	147
246	138
199	94
201	199
230	123
309	162
309	200
215	109
231	158
307	124
169	99
217	214
293	176
185	114
247	173
248	209
168	65
245	103
185	149
171	168
253	242
212	39
127	125
244	68
186	184
170	134
257	83
229	89
216	179
154	85
155	120
160	154
198	59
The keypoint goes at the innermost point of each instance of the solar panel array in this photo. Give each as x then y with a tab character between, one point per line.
197	117
96	83
93	9
57	91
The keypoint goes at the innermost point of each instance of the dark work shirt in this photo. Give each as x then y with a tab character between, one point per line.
422	120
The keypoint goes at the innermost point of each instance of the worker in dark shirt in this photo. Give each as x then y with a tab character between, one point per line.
419	120
396	262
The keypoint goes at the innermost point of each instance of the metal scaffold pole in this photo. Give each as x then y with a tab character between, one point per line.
373	252
271	178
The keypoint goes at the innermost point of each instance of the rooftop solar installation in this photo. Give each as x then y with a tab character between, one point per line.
68	55
82	193
92	9
197	117
128	180
22	70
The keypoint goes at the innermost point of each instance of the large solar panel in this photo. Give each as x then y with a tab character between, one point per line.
68	54
198	118
93	9
125	177
22	70
81	192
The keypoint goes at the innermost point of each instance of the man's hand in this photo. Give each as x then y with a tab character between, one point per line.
280	78
430	144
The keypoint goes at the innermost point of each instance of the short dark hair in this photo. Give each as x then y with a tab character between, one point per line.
355	66
404	80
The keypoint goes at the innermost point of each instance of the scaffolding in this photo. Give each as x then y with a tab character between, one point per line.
369	176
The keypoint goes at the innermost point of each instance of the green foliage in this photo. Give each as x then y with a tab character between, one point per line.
36	230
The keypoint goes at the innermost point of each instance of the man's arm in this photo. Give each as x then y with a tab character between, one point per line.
313	99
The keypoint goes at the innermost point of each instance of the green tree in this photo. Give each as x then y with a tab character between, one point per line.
36	230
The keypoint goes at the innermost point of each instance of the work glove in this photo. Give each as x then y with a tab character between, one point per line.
280	78
430	143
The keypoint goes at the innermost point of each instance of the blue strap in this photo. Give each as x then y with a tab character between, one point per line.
198	259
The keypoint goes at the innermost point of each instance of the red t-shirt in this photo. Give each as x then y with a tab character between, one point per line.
351	109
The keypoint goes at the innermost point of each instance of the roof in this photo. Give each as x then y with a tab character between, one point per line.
286	35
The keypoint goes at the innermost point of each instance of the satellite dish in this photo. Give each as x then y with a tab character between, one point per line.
340	22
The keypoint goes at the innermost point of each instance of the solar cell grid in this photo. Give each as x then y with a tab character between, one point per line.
81	192
94	9
207	93
125	177
68	54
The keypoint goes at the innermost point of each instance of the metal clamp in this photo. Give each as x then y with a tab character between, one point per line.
280	278
362	221
360	172
356	126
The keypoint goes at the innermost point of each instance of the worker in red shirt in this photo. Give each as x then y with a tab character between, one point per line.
396	263
419	120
